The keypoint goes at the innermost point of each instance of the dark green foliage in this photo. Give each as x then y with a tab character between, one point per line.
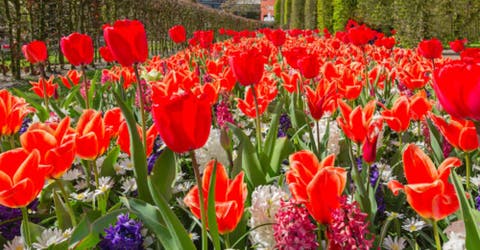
343	10
287	11
325	14
297	17
310	14
278	11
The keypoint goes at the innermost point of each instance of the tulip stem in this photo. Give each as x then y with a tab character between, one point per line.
85	84
26	228
468	167
257	120
95	173
436	235
142	106
203	215
319	236
67	203
318	138
44	85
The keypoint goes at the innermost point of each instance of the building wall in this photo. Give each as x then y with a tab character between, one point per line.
267	9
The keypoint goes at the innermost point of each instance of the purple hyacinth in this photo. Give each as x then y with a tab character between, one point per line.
374	176
477	201
285	124
25	124
155	154
14	215
359	161
126	234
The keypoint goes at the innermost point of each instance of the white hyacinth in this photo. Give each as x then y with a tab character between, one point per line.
265	204
456	241
333	144
212	150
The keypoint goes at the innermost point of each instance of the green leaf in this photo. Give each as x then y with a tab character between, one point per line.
283	148
211	212
108	164
63	219
269	144
435	142
71	96
35	231
164	172
137	150
87	233
33	100
250	160
472	237
175	228
152	218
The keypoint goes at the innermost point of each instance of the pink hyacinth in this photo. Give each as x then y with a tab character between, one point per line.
294	229
349	228
223	114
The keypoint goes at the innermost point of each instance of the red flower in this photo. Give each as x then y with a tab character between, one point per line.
277	37
247	106
293	54
360	35
55	142
178	34
458	45
460	133
309	65
124	138
430	49
398	118
318	185
247	66
470	55
355	123
35	52
72	79
21	177
457	86
419	105
204	38
106	54
183	120
369	147
92	138
230	196
77	48
37	87
428	191
12	111
321	100
127	41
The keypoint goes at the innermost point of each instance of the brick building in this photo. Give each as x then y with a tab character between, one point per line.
267	10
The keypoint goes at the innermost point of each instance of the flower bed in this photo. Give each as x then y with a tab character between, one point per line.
270	139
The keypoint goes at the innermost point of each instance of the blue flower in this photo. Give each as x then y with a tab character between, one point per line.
126	234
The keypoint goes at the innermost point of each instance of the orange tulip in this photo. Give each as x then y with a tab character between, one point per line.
419	105
428	191
124	138
72	78
321	100
50	87
398	118
12	111
21	177
230	196
318	185
55	143
92	138
460	133
354	123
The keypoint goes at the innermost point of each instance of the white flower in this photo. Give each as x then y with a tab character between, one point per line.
397	243
99	161
194	236
50	237
15	244
129	185
265	204
475	180
182	186
386	172
334	134
72	174
455	242
104	185
394	215
123	165
413	225
85	196
82	184
212	150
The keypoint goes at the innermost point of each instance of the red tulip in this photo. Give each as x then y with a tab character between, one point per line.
37	87
309	65
458	45
321	100
355	123
124	138
318	185
183	120
55	143
360	35
247	105
113	118
277	37
428	191
12	111
77	48
178	34
460	133
72	79
21	177
35	52
127	41
369	147
204	38
430	49
247	66
470	55
293	54
457	86
92	137
230	196
106	54
398	118
419	105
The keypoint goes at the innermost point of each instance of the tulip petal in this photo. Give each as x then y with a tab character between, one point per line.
418	167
